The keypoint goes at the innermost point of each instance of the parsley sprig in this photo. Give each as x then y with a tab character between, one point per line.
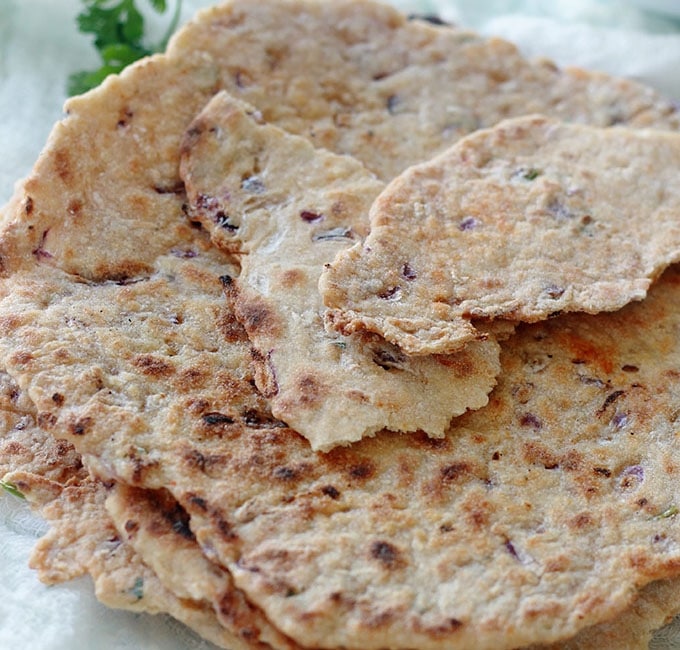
118	27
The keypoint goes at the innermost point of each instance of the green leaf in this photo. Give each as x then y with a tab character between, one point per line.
12	489
120	55
78	83
118	27
133	25
159	5
532	174
137	590
103	23
81	82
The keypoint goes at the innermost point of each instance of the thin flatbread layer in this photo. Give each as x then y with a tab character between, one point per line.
527	219
82	539
536	516
151	520
129	372
332	390
358	77
157	528
119	365
149	357
634	629
111	166
354	76
133	567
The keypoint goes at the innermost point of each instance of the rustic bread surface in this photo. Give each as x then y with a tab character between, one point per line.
95	243
537	515
528	219
286	209
354	76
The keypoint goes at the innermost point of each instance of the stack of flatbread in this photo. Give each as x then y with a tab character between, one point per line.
333	328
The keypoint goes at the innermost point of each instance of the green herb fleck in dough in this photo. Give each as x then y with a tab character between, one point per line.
669	512
137	589
12	489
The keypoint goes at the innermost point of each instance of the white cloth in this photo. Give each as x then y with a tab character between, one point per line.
39	47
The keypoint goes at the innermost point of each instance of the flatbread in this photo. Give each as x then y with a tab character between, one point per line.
634	629
152	527
158	529
370	76
95	227
536	516
160	360
528	219
243	185
111	165
357	77
82	539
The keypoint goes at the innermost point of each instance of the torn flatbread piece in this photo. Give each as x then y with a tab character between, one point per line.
158	529
135	567
83	540
523	221
287	209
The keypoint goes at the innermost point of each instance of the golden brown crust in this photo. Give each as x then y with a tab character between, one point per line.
158	529
389	91
560	485
134	568
123	582
83	540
